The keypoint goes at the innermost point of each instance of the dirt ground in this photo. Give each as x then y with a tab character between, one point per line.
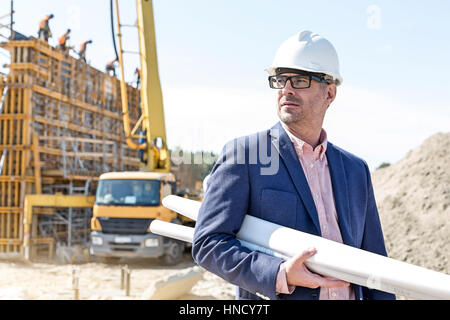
99	281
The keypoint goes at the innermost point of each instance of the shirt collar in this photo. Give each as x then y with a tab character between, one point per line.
302	146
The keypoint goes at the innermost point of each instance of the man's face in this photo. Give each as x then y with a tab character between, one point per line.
307	106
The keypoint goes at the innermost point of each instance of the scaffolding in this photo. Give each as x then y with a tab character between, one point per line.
60	128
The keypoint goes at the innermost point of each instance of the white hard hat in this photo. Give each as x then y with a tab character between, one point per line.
310	52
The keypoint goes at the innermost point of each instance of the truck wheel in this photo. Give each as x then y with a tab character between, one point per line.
174	253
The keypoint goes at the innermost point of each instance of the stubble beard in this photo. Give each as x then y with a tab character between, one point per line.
298	114
289	117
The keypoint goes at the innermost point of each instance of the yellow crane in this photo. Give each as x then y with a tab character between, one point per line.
152	122
127	202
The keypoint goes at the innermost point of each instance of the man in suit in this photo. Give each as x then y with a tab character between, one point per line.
290	175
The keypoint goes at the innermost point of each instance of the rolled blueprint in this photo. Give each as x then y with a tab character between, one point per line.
332	259
172	230
184	233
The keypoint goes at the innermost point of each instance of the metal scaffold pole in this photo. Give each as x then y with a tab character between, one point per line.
11	26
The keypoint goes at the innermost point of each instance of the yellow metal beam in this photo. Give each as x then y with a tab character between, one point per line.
151	93
37	45
63	98
123	89
37	164
29	66
47	200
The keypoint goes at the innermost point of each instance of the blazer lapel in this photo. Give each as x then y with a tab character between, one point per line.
340	191
280	140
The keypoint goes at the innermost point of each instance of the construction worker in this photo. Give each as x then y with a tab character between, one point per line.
63	40
137	72
111	67
82	52
301	181
44	28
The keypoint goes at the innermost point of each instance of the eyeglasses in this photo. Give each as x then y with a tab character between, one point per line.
297	81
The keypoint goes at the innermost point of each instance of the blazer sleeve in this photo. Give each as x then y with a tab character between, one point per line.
373	239
220	217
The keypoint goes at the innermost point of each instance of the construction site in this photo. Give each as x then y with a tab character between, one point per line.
64	123
81	147
61	127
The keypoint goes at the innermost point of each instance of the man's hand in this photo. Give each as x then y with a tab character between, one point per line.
297	274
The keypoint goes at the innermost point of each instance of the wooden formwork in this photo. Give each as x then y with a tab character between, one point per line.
60	126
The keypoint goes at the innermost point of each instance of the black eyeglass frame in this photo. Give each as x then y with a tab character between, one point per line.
288	78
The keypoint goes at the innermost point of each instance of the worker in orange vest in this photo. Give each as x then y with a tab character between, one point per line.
111	66
137	72
63	39
82	52
44	28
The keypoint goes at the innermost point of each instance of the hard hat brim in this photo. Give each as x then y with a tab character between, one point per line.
272	72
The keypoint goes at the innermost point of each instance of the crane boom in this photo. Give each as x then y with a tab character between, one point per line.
156	154
151	93
126	202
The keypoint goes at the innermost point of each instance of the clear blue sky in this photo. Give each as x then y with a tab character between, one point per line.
212	54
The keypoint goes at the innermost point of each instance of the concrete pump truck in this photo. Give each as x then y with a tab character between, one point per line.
127	202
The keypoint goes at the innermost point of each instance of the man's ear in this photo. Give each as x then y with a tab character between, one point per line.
331	93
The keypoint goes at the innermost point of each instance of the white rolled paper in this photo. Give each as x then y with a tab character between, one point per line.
172	230
348	263
187	208
332	259
184	233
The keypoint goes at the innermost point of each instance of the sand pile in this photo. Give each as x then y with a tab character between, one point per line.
413	197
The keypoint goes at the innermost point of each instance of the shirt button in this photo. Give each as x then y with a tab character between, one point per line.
333	294
311	165
324	227
317	195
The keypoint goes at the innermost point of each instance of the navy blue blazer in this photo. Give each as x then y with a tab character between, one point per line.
261	175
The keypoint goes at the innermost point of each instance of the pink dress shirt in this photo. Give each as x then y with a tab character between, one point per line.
315	166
